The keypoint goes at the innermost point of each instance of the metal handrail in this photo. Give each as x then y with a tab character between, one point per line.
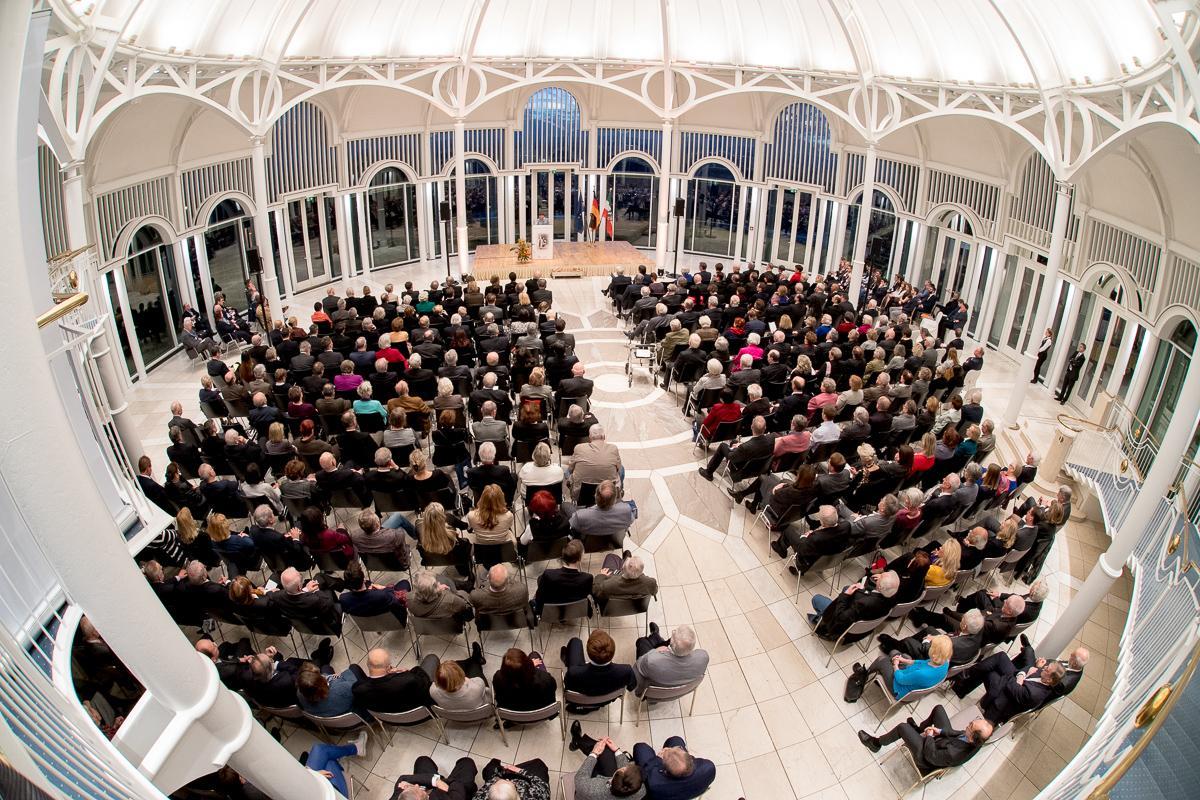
1153	714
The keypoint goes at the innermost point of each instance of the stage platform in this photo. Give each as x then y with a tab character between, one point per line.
571	259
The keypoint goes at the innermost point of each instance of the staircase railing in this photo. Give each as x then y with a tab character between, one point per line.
1160	643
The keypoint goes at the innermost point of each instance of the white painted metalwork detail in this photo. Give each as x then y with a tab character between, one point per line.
115	209
363	154
50	191
201	183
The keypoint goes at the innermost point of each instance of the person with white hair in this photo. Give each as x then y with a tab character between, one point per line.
623	576
594	461
965	642
713	378
529	780
991	602
870	598
668	662
501	593
744	372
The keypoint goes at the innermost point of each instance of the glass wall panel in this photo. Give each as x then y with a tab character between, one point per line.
1018	323
331	234
1010	268
786	210
150	287
114	301
1095	351
296	232
392	202
1037	299
772	196
482	221
711	211
632	201
312	225
226	249
804	207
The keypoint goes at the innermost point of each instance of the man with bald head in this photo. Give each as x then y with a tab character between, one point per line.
999	625
673	773
576	386
391	688
502	594
934	744
1024	662
333	477
309	600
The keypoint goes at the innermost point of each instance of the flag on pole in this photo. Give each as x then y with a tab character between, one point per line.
608	223
594	222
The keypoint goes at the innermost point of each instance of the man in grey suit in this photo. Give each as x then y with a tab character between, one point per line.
673	662
968	489
875	525
836	477
489	429
608	517
192	340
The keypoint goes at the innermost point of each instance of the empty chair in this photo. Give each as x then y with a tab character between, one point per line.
414	716
376	623
555	613
655	694
445	626
521	619
864	628
625	607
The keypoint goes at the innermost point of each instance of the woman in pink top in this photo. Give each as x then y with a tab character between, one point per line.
347	381
827	396
752	347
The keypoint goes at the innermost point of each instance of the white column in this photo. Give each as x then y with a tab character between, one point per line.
1146	502
522	203
1058	239
262	231
1122	363
1141	373
205	276
758	217
109	361
460	192
902	231
79	538
664	199
858	263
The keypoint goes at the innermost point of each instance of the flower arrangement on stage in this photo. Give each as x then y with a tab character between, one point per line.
524	251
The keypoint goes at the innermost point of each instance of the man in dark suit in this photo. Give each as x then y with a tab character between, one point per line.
617	284
201	593
833	536
357	448
262	415
270	540
965	644
942	500
836	478
183	452
576	385
178	420
1009	691
565	584
596	675
489	472
934	743
994	601
541	294
333	477
760	445
870	598
153	490
392	689
1074	367
273	679
486	392
791	405
222	495
1024	662
459	784
241	452
307	601
998	626
328	357
673	773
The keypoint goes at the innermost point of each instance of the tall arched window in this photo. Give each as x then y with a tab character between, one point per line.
482	222
225	238
880	236
1171	360
633	201
152	292
711	211
392	215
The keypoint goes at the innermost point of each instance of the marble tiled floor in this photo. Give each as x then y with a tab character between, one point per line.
770	712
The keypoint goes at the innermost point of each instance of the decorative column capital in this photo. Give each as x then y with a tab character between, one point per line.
1064	187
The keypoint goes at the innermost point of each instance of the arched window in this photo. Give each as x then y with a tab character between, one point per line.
229	228
152	293
633	201
392	218
712	210
880	236
1171	360
483	225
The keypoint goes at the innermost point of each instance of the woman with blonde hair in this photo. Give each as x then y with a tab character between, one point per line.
197	546
902	674
437	535
943	572
277	443
1007	535
490	521
429	483
238	549
925	457
459	685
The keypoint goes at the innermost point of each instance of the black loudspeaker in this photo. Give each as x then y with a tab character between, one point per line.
445	211
679	203
253	260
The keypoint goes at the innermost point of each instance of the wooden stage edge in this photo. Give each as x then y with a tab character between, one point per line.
571	260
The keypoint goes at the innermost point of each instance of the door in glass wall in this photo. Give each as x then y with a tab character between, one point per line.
800	223
483	226
1021	309
711	211
1032	312
151	289
633	201
783	242
975	304
307	235
229	229
331	233
1009	267
1096	342
118	318
880	235
772	197
392	209
1171	360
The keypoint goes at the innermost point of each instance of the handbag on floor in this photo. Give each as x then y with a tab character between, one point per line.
855	684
